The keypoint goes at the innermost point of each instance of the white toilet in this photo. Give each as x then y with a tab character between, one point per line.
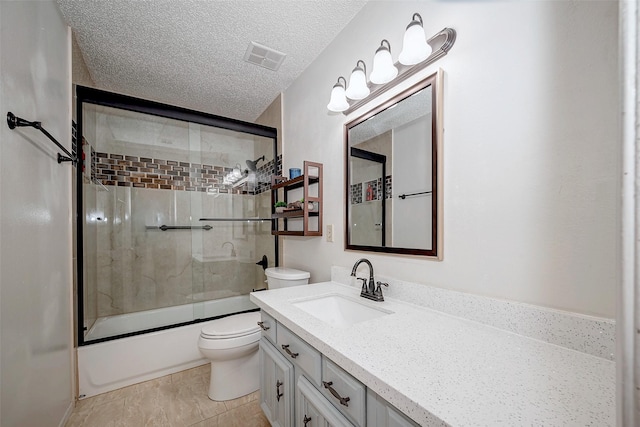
281	277
231	343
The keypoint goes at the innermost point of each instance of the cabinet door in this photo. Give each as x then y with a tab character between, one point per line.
314	410
276	386
381	413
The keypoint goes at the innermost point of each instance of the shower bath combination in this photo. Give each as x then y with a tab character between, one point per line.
150	249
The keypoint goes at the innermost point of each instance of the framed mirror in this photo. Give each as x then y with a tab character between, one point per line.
393	167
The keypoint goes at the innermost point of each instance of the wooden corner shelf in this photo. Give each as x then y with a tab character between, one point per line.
309	220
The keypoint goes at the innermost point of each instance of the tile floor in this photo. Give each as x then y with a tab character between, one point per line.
177	400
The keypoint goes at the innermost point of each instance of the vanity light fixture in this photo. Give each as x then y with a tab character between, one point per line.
358	88
417	53
415	48
338	102
383	69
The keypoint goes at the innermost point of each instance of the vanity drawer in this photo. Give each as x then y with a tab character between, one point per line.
345	392
299	353
268	326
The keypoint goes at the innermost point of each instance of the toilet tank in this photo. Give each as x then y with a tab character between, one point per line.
281	277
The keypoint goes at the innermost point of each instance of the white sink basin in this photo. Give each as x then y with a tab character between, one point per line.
339	310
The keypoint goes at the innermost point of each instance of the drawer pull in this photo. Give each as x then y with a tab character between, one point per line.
343	400
278	394
285	347
306	420
264	328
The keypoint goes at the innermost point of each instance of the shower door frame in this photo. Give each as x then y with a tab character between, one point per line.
124	102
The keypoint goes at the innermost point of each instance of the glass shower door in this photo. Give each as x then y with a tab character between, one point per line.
237	169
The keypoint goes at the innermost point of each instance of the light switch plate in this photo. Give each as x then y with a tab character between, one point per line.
329	232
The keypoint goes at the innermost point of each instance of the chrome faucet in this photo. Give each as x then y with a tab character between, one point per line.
233	248
369	291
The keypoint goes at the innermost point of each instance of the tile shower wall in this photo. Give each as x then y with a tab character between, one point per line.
164	174
358	192
141	267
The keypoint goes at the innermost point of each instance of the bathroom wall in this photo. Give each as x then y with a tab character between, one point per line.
36	338
531	171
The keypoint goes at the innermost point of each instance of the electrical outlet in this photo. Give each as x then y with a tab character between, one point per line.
330	233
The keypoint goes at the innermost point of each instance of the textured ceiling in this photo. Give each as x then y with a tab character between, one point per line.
190	53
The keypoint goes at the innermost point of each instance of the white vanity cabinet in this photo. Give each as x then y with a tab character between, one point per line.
276	386
299	387
314	410
381	414
345	392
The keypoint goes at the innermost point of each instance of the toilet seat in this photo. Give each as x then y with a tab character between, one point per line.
230	332
234	326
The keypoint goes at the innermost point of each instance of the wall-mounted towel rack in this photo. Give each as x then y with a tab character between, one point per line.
404	196
13	122
179	227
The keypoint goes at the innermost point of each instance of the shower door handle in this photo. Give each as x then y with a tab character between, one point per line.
278	394
264	262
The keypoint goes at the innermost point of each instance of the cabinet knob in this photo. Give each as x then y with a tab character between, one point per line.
278	394
306	420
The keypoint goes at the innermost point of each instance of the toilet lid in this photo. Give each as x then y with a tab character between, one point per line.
234	326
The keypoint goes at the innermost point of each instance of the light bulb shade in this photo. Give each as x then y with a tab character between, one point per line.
415	48
338	102
358	88
383	69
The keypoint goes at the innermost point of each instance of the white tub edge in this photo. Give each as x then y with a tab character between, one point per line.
119	363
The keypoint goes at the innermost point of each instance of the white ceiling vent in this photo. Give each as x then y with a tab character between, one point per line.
264	56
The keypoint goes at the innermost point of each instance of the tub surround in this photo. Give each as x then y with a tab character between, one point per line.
441	369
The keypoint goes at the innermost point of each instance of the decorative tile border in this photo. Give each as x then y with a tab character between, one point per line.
587	334
152	173
358	194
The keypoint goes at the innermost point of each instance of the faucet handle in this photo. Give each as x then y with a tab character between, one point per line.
364	282
379	290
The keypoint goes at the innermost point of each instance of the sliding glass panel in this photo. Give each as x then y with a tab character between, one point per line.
176	216
234	203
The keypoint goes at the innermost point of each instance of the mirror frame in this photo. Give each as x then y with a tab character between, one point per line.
435	82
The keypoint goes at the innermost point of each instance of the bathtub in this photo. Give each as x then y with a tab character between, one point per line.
118	363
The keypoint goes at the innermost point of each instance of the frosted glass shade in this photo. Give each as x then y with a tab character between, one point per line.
383	69
338	102
415	48
357	88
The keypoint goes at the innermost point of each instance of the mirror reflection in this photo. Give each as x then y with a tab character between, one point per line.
392	171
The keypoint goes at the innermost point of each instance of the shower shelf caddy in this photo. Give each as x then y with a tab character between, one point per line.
311	219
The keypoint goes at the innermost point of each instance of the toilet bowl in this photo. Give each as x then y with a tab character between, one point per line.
231	344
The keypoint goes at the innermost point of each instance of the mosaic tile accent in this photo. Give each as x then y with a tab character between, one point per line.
74	138
358	191
163	174
388	187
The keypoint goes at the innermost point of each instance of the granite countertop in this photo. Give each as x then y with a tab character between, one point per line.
444	370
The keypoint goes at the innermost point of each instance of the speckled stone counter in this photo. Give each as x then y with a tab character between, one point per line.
445	370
